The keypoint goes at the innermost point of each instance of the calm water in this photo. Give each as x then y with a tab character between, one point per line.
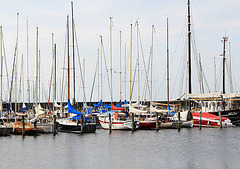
189	148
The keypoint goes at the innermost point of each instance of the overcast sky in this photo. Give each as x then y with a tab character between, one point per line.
210	20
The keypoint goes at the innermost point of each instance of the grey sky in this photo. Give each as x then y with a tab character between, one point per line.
210	20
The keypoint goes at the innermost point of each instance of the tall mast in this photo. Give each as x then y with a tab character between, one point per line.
151	65
120	82
28	82
224	60
98	75
101	67
130	90
68	62
1	68
36	67
125	72
189	51
16	67
111	57
167	67
138	62
39	77
74	81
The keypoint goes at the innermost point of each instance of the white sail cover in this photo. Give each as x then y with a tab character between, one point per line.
154	110
137	104
230	95
134	110
57	105
204	96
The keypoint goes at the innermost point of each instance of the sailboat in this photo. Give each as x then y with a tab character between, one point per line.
74	124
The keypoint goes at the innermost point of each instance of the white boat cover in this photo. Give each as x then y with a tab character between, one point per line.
204	96
231	95
153	110
138	104
134	110
57	105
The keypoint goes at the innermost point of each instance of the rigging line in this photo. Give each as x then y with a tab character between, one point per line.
106	66
64	62
147	74
174	84
4	50
229	78
217	35
144	63
135	71
80	68
219	77
94	81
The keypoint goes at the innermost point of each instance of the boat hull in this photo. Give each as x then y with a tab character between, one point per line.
210	120
147	125
4	131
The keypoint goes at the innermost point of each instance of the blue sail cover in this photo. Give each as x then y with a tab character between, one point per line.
119	104
25	108
125	102
71	109
107	106
99	104
170	113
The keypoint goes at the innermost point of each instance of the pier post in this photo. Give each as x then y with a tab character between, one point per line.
220	115
179	118
200	120
157	124
54	125
133	124
110	123
23	126
82	127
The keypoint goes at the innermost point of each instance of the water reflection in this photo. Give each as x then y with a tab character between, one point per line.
189	148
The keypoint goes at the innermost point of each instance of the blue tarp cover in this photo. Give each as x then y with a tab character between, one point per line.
71	109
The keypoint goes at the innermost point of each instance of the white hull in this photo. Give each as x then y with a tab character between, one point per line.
116	124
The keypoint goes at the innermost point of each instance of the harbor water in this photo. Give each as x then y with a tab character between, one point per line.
189	148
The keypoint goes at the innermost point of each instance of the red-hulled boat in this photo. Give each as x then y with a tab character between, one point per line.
210	120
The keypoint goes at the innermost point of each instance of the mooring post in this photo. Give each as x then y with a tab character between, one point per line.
23	126
110	123
133	124
179	118
157	127
200	120
82	126
54	125
220	115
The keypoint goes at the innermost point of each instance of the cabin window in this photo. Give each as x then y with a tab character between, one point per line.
206	104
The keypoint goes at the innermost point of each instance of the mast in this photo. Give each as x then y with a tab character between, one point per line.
215	85
74	81
130	90
120	73
98	75
1	68
167	67
111	57
138	62
28	82
101	67
189	51
36	97
224	60
68	62
16	66
125	72
39	89
151	64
